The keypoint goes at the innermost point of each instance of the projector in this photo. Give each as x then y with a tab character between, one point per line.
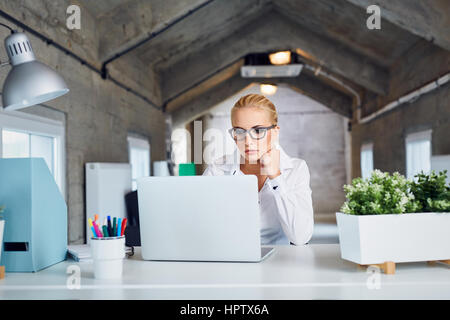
290	70
262	65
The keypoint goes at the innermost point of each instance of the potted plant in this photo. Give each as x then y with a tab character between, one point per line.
388	219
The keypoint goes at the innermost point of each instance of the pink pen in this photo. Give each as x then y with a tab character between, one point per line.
99	234
99	229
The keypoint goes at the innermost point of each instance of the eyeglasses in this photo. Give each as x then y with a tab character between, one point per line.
256	133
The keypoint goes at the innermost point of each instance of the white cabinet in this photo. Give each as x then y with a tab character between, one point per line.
106	187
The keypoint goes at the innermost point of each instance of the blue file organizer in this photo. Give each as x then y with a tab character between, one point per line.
35	235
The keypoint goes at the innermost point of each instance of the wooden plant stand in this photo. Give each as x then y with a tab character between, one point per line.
389	267
2	272
432	263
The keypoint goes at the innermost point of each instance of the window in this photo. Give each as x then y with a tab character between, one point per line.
18	144
139	155
366	160
24	135
418	153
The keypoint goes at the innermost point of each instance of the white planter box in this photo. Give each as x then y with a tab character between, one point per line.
409	237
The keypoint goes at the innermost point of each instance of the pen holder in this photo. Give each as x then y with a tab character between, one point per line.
108	254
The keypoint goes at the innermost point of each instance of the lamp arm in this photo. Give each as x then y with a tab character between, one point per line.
2	64
8	27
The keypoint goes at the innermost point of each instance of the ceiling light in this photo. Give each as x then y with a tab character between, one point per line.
268	89
280	57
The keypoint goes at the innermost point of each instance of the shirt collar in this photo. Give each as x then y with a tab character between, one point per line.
285	160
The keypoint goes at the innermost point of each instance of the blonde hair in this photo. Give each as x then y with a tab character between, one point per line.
258	101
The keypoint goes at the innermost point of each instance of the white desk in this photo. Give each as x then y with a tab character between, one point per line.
291	272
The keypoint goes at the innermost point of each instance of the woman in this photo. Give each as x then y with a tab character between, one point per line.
283	182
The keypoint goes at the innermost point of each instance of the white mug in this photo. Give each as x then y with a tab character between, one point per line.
108	254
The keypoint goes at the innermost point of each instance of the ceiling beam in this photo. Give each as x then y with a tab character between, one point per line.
202	103
132	24
200	88
346	23
305	84
428	19
215	22
317	90
271	32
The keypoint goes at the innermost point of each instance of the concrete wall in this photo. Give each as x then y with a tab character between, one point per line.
308	130
388	132
98	116
422	64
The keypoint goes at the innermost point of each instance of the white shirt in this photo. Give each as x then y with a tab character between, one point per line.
285	202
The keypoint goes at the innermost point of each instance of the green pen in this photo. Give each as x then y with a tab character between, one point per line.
114	226
105	231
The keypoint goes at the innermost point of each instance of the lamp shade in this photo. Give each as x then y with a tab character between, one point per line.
29	82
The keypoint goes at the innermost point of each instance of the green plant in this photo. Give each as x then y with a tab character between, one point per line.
380	194
432	192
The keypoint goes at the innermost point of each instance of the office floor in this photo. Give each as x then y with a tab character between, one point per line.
325	230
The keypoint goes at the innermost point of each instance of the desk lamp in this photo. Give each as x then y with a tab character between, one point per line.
29	82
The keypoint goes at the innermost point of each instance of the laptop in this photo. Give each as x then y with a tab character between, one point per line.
200	218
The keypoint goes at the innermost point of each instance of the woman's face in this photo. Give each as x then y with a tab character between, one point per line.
252	117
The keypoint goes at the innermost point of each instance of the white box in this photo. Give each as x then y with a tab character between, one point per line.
408	237
106	187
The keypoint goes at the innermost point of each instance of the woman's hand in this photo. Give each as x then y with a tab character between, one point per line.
270	161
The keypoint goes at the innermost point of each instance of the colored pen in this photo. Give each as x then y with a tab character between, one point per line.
100	230
109	225
114	226
119	227
99	234
93	231
124	225
92	227
105	231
